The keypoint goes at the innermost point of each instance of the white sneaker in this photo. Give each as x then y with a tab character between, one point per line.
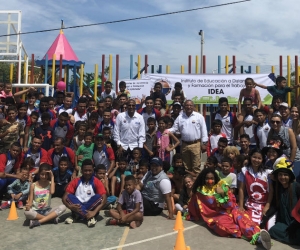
91	222
69	220
265	239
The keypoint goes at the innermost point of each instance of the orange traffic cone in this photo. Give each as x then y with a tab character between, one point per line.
180	243
178	223
13	215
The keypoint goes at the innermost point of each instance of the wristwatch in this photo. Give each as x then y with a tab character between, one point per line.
204	143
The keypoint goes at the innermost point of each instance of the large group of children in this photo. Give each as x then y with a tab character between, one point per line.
50	148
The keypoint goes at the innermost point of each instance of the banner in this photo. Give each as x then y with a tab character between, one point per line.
201	89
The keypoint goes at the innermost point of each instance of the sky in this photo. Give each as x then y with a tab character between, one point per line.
256	32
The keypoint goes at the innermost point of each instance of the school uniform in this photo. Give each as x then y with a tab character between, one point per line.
61	181
105	156
86	194
39	157
53	157
66	132
9	165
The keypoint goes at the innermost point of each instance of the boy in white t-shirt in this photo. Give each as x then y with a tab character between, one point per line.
215	136
262	129
108	91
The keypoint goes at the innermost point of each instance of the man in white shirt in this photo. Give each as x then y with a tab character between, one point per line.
80	113
129	130
192	127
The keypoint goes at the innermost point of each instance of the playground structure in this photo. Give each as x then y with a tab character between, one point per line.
61	59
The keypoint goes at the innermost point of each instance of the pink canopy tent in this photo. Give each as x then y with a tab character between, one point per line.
60	46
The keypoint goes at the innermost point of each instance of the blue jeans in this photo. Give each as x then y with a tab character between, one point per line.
90	205
5	182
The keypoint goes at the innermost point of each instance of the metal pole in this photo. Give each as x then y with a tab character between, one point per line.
201	33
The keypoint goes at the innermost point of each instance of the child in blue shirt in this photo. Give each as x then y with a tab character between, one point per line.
18	190
45	131
62	176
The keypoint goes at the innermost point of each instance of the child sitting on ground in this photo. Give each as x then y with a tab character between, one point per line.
29	164
226	175
185	194
85	151
38	209
62	176
177	182
18	190
132	202
100	174
118	175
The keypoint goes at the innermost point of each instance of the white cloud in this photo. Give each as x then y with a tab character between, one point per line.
257	32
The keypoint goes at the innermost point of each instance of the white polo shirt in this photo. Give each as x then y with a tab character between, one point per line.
191	127
129	132
77	117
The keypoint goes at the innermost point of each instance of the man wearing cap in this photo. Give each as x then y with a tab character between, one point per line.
176	109
149	110
285	112
103	154
191	125
129	130
156	189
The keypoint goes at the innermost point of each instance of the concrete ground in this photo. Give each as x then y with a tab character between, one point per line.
154	233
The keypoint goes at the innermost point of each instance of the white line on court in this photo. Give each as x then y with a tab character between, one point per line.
149	239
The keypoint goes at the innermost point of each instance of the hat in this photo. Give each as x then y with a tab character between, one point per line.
99	136
284	104
282	164
157	161
276	146
176	103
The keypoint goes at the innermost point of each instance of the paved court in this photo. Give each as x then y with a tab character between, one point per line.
155	233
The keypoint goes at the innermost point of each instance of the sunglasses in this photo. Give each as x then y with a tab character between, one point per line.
277	122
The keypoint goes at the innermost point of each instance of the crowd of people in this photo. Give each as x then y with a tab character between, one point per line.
137	159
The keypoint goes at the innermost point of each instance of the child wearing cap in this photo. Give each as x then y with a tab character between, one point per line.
285	112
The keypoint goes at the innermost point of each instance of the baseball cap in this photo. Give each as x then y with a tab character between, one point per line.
284	104
176	103
99	136
157	161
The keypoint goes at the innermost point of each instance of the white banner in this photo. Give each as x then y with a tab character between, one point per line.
202	89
